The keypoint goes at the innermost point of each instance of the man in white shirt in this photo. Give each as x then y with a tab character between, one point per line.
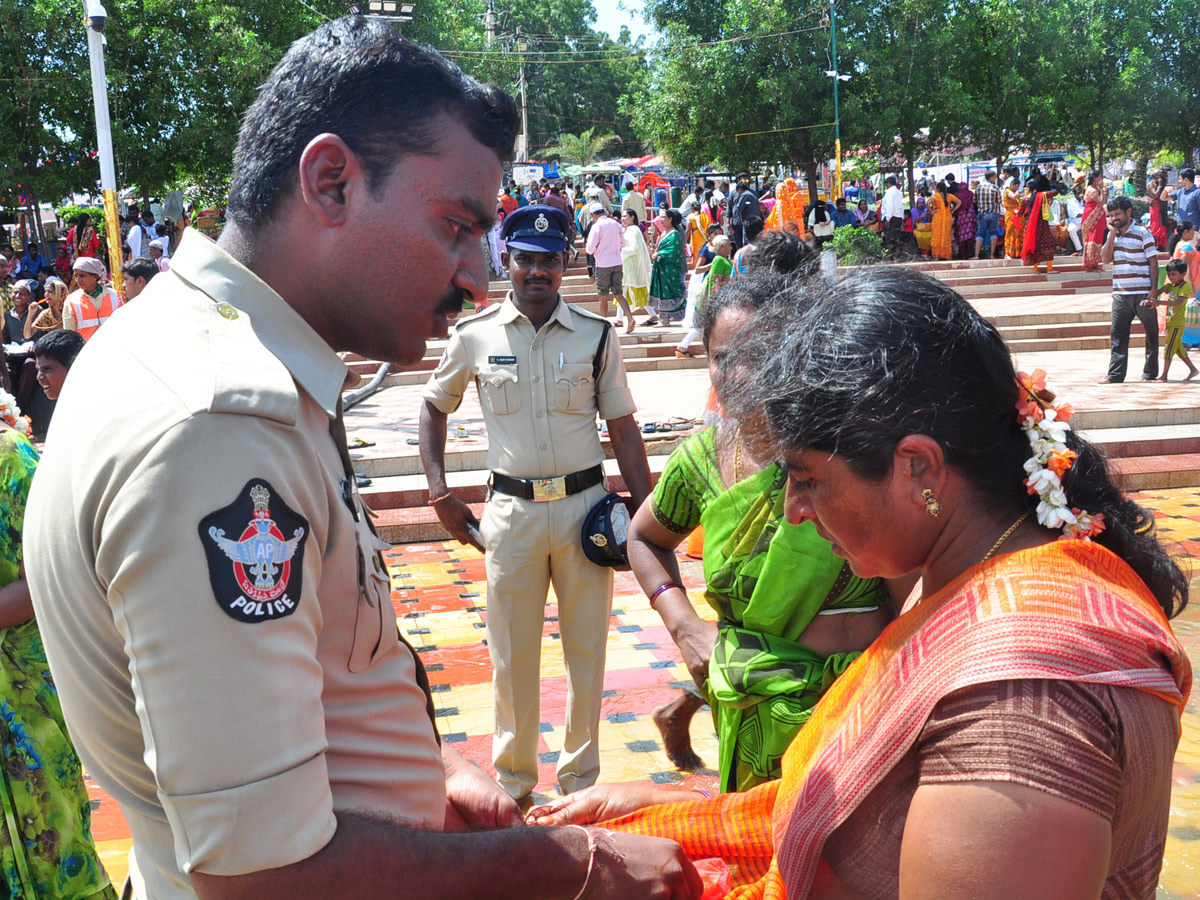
892	211
1075	221
604	244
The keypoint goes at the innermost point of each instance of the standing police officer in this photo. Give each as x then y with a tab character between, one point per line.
544	369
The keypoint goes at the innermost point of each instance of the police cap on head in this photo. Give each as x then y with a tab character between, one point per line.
536	227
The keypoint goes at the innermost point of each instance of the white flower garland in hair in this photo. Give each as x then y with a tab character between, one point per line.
10	414
1046	426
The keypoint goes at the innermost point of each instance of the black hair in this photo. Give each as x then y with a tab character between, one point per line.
752	290
1188	173
1177	235
380	93
631	212
1119	202
62	346
784	254
140	267
990	173
852	365
890	179
675	216
1177	265
753	227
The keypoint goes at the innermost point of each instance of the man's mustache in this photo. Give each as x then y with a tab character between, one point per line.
452	303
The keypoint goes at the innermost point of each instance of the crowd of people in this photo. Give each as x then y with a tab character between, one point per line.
943	656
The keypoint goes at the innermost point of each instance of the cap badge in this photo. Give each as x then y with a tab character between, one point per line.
541	223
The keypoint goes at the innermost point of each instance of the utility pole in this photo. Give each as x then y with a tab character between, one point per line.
523	144
490	20
95	19
837	118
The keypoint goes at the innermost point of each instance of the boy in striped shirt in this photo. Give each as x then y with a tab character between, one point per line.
1134	255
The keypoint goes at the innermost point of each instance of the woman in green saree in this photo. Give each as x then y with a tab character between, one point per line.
46	848
791	615
666	277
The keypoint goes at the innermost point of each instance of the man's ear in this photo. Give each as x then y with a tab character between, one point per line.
330	174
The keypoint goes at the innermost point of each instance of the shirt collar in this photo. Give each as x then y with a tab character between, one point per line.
281	329
509	313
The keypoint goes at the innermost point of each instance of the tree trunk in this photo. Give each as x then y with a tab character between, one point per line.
145	197
907	147
810	174
1139	175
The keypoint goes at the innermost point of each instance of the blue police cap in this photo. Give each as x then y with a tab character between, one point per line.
536	227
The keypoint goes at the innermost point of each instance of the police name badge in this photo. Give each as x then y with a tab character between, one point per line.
255	551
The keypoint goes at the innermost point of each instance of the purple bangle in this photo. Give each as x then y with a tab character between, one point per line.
666	587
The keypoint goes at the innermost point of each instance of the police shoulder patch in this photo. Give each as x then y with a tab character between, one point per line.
255	551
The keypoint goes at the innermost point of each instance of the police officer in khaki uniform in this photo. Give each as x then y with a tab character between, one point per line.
544	369
208	587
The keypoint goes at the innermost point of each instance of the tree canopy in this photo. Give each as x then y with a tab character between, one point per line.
733	83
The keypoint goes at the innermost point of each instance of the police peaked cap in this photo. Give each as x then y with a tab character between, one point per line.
536	227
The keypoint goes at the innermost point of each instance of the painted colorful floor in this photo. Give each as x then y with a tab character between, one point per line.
440	595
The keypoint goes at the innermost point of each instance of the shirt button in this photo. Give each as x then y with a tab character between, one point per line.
539	414
542	447
537	377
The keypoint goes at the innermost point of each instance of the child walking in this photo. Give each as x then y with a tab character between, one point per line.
1174	295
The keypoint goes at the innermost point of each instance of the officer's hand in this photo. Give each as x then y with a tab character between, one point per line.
456	517
696	641
633	865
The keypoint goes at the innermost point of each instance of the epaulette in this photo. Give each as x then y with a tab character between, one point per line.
490	311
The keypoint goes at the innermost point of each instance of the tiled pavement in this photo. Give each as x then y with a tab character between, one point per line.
440	599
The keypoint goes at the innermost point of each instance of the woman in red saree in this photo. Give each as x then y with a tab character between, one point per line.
1039	242
1011	734
1157	191
1092	229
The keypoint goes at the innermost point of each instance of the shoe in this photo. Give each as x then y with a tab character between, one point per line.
653	320
681	353
361	480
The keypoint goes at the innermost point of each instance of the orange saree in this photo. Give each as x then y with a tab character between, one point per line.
1066	610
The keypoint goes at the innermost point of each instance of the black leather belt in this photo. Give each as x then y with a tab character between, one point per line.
545	489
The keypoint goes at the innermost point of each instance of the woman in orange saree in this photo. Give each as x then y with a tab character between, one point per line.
1014	225
1011	734
943	204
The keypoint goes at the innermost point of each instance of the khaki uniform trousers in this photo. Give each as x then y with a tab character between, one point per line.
529	546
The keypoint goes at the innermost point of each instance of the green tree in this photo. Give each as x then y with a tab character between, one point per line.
1168	97
903	49
742	85
45	102
583	148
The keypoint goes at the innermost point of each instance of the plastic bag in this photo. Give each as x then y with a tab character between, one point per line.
714	872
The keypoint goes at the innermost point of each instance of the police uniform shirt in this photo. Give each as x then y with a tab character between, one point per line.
212	602
536	390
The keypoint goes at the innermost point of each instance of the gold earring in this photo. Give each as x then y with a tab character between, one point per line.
931	505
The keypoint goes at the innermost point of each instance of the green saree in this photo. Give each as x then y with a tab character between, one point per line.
666	276
767	581
46	850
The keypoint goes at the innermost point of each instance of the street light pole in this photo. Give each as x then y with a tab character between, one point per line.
837	118
96	17
523	143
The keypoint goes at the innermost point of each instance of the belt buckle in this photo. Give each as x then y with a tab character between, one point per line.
546	489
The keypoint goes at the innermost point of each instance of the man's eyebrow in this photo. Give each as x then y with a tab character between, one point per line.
484	215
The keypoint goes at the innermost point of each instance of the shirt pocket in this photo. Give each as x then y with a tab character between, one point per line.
574	387
498	388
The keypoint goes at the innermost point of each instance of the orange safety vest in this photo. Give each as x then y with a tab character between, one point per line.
88	316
